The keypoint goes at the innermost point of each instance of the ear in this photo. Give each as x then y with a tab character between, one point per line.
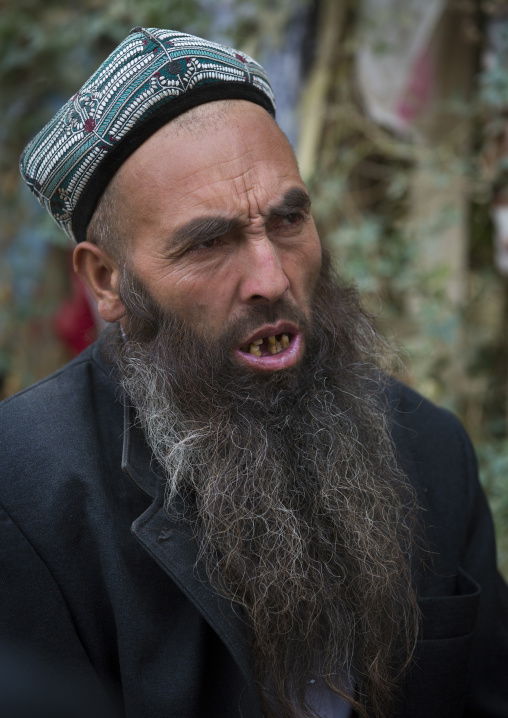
101	273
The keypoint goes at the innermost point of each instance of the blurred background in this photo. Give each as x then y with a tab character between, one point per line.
398	112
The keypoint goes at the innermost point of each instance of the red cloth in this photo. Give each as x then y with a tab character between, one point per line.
74	321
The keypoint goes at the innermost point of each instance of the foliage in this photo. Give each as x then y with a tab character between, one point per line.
493	462
387	205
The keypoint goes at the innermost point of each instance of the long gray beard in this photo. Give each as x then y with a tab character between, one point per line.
301	514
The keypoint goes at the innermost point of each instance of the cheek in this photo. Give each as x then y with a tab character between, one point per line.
307	267
315	259
174	285
203	299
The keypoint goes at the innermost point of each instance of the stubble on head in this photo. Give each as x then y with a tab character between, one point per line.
301	514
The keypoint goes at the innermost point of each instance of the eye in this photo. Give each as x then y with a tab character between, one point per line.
288	223
293	218
205	244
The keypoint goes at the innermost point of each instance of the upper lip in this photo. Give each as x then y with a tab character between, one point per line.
271	330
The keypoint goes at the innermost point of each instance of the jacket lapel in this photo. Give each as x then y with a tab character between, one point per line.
170	542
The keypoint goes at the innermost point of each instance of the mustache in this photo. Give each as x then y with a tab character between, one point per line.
146	319
253	317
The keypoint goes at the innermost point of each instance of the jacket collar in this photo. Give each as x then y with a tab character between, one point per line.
137	459
170	542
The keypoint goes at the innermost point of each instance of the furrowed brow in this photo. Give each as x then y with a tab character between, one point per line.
295	199
200	229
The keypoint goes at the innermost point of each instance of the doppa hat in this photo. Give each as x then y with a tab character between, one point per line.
150	78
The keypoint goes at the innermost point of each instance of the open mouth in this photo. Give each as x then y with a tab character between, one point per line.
268	346
274	347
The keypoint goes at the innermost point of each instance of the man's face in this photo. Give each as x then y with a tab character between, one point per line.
221	233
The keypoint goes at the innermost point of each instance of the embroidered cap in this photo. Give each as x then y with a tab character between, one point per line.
150	78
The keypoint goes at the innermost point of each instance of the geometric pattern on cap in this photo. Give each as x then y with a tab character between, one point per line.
148	69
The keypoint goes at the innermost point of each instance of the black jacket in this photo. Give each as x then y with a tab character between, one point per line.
98	586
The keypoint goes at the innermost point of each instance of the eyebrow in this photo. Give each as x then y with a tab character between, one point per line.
202	228
295	199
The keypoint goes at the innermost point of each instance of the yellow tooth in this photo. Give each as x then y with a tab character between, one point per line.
254	349
273	349
257	342
284	340
278	347
271	340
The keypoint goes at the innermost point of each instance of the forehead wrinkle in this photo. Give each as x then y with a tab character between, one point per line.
218	167
255	189
295	198
210	176
251	196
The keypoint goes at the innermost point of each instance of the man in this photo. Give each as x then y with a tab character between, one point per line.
292	533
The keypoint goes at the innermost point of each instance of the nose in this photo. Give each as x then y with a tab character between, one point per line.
264	279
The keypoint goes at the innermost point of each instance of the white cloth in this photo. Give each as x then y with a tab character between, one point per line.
394	37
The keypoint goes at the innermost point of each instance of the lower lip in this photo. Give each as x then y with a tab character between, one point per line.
275	362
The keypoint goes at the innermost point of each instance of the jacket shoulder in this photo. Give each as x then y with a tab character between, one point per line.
436	453
46	394
412	411
432	436
66	425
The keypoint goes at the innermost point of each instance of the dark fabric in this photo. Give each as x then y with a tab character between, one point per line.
98	584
